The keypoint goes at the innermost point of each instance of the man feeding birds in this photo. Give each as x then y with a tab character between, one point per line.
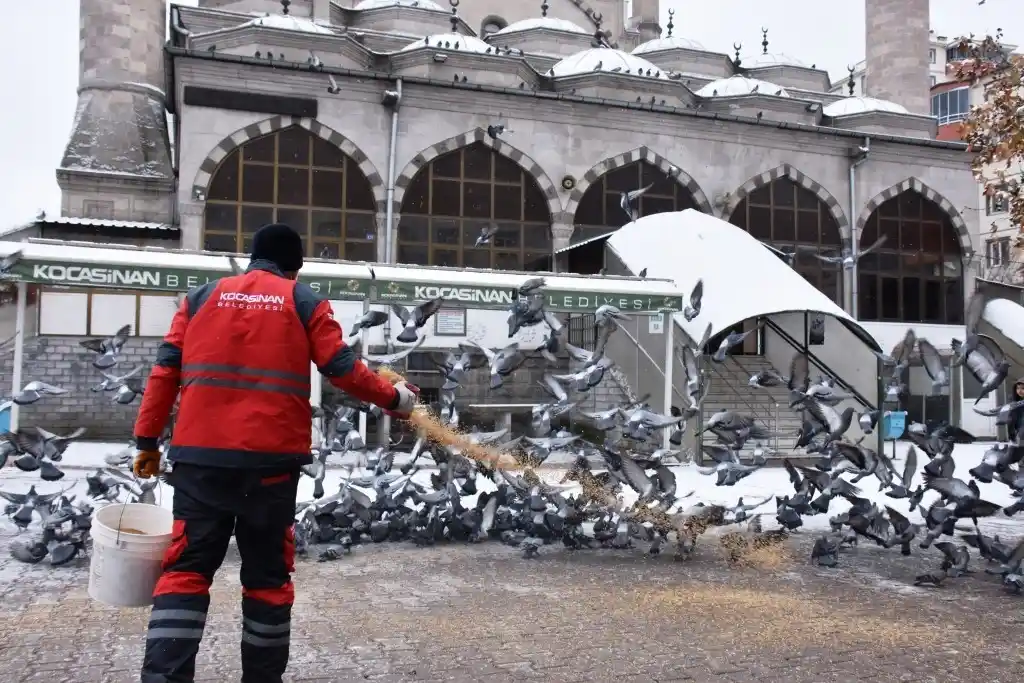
238	353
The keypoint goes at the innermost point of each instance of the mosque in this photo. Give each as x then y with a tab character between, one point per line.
396	130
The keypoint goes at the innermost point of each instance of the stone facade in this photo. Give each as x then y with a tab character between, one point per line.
62	362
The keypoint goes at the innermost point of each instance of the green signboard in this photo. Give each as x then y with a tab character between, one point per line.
160	278
502	297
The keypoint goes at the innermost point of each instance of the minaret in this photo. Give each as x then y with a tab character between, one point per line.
896	48
645	19
117	163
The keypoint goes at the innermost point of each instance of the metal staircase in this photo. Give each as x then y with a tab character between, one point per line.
728	390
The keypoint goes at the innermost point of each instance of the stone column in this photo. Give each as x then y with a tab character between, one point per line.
561	234
382	234
190	216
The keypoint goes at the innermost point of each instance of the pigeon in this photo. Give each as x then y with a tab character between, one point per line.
107	350
933	365
370	319
130	388
112	382
415	318
847	259
502	362
732	340
8	262
628	199
692	309
990	372
487	233
35	390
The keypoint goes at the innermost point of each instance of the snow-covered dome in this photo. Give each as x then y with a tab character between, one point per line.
860	105
451	41
735	86
289	23
550	23
667	43
771	59
377	4
607	60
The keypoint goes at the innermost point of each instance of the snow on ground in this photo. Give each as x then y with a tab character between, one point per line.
84	457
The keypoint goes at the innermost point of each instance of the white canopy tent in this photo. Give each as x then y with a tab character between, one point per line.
742	279
1003	320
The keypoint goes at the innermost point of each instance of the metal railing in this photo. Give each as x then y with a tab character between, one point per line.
820	365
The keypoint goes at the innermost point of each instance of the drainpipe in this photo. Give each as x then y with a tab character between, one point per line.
389	227
858	159
392	153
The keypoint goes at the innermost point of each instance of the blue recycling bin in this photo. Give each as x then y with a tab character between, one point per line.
894	422
5	419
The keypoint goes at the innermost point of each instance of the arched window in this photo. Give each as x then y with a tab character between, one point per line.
784	214
917	276
456	196
492	24
292	176
600	211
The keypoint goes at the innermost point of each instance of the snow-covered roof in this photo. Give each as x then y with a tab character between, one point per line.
217	265
550	23
289	23
720	254
770	59
735	86
104	223
377	4
607	60
1007	317
451	41
860	105
667	43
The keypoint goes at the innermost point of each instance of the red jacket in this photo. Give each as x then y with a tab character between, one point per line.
239	351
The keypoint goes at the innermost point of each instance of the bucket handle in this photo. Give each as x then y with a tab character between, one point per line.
120	517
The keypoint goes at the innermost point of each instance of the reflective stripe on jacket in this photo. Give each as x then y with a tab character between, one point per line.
239	351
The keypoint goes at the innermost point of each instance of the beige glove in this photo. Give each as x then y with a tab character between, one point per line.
408	396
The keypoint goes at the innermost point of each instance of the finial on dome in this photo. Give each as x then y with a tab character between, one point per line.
544	8
285	4
764	41
671	13
455	15
737	47
850	83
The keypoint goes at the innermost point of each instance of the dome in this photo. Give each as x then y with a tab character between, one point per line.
771	59
861	105
607	60
451	41
549	23
736	86
377	4
668	43
289	23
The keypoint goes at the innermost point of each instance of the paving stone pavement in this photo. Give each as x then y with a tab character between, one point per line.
395	613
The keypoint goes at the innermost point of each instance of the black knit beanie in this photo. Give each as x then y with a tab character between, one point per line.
279	244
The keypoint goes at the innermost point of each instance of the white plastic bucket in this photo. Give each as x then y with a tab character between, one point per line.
125	567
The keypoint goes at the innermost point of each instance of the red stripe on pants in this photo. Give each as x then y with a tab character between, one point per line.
278	597
182	583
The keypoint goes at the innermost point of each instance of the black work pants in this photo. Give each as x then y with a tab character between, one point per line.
211	503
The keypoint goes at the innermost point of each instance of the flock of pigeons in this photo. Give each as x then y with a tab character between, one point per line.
65	520
431	493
